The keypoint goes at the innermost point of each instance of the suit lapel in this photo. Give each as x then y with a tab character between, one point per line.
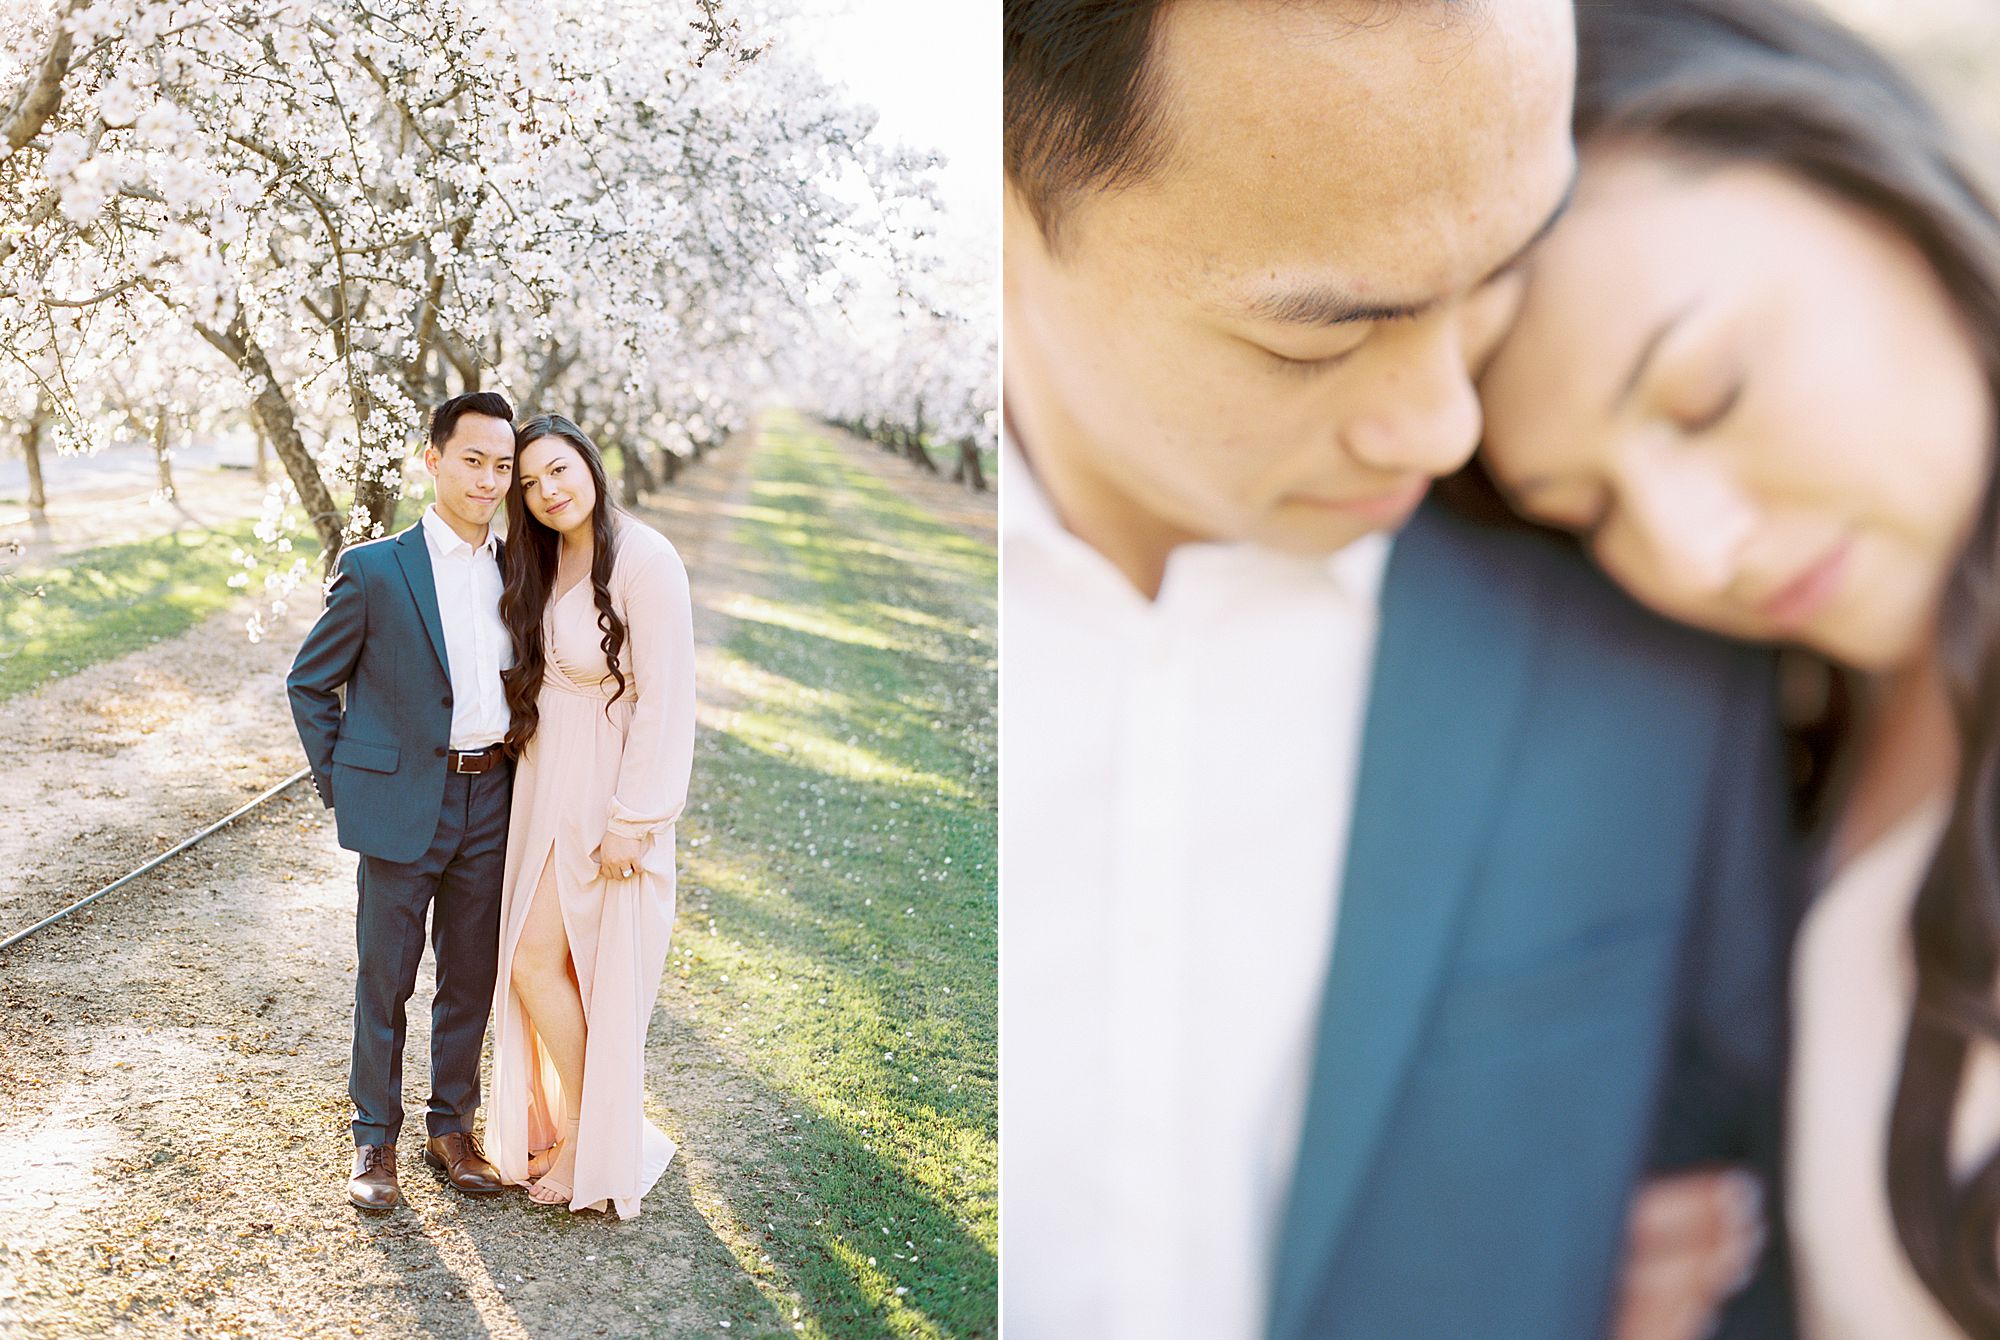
414	556
1453	661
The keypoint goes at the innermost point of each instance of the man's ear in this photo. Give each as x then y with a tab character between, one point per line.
431	459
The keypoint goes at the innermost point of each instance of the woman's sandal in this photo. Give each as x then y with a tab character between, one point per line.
558	1193
553	1154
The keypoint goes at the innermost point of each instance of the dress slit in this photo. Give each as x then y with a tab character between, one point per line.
547	882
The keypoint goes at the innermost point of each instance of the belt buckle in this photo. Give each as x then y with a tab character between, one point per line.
457	763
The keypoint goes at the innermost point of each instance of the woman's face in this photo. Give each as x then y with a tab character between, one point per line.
1754	399
556	484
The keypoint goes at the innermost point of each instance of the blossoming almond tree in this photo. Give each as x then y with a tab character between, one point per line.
355	207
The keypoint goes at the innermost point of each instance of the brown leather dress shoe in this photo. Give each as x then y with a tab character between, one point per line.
458	1156
372	1185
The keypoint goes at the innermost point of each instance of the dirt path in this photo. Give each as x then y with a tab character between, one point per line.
80	519
173	1060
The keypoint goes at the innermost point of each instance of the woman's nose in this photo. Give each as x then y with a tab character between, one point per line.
1693	518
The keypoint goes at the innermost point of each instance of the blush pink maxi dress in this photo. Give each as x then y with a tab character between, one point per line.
586	772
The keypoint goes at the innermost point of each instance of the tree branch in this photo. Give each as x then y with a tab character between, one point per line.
35	104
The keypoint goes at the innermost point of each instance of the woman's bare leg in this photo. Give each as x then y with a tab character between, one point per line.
546	983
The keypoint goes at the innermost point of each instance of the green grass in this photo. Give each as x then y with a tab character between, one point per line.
105	602
840	899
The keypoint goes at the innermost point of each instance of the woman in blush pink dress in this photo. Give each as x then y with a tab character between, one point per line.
602	694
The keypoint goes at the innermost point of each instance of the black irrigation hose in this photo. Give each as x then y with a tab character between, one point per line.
19	936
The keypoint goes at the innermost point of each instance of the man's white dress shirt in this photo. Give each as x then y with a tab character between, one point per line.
476	645
1177	779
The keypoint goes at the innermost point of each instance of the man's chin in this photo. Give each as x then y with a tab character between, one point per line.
1323	537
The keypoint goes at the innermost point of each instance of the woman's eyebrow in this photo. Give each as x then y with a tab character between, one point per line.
1647	350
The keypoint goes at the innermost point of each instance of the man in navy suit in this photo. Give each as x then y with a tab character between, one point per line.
1384	893
412	766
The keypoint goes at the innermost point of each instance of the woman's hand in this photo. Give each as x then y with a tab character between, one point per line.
619	857
1695	1237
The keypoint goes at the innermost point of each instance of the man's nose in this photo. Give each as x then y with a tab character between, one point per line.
1421	415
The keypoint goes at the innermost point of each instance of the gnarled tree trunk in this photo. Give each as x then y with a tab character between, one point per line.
163	469
274	415
967	472
31	452
913	443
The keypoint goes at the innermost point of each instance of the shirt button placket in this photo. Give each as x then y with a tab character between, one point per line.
1144	1033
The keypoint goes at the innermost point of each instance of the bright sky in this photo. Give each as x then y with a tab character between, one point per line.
932	69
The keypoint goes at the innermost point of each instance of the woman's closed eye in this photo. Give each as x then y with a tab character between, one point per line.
1717	406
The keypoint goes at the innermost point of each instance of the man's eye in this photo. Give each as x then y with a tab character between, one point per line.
1307	366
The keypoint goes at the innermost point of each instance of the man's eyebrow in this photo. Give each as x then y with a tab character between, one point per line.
1322	305
1328	305
1535	239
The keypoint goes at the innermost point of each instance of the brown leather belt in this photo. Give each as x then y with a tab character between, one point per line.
479	760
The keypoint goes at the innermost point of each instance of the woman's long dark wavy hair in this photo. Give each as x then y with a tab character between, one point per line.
530	574
1766	82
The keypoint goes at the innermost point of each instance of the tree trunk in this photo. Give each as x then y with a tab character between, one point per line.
670	466
554	364
633	478
31	108
263	458
162	459
31	451
968	472
464	361
274	415
913	444
379	496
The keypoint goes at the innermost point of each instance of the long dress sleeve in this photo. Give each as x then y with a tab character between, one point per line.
659	744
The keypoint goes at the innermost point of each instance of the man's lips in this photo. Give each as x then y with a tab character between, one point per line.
1390	505
1811	590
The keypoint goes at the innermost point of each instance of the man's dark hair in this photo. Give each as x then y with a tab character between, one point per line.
1082	101
490	403
1081	111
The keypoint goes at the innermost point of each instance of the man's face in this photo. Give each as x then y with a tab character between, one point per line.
1271	337
472	468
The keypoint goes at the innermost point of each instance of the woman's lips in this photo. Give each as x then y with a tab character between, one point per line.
557	507
1804	596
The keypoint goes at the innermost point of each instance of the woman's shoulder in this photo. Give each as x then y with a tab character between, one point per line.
642	548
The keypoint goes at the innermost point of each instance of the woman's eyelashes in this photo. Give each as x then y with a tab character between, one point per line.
1719	406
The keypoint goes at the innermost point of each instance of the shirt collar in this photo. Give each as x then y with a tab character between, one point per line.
1027	514
445	542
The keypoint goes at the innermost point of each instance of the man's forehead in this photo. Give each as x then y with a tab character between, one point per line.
482	433
1417	156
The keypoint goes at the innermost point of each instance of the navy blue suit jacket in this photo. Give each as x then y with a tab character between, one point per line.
1558	958
379	760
